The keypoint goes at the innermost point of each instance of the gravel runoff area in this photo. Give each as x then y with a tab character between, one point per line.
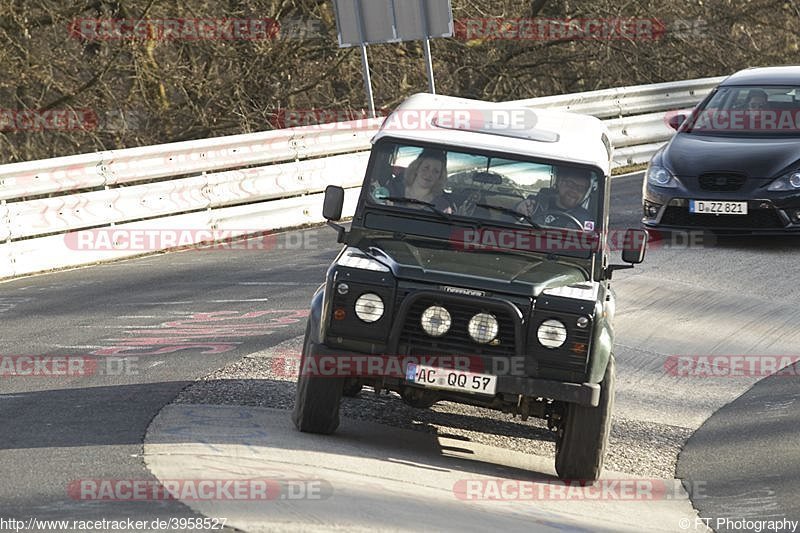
264	379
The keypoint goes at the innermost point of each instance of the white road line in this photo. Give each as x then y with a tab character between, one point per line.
239	301
273	282
159	303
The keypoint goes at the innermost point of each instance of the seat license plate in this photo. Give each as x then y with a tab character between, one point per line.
717	208
451	379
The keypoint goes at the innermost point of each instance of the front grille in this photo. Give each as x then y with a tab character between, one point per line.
754	219
721	182
414	341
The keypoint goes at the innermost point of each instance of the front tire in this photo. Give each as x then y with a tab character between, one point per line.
316	406
583	437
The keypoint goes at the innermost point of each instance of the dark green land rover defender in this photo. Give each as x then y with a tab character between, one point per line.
476	270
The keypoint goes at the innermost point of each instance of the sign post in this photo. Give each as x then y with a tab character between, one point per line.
426	44
362	22
364	60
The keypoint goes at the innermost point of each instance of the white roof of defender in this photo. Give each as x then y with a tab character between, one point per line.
501	127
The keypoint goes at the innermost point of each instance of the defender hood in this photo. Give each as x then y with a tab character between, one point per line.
521	274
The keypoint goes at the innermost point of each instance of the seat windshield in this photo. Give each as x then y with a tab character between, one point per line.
748	111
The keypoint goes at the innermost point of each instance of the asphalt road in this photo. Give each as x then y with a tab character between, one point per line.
150	326
747	456
148	316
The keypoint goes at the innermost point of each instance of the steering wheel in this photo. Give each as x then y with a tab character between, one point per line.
557	219
467	197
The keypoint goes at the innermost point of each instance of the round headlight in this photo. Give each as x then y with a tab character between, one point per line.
794	180
436	321
483	328
552	333
369	307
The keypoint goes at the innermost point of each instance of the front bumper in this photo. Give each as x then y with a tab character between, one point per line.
765	216
586	394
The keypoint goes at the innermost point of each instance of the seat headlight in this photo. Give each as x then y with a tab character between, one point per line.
436	321
369	307
790	182
552	333
483	328
660	177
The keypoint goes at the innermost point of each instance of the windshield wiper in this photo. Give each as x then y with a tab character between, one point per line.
405	200
512	212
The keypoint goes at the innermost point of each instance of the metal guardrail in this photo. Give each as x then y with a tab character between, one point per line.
243	184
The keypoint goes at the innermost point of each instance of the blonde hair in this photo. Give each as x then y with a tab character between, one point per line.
413	167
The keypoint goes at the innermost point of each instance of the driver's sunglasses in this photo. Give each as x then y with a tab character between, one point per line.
576	184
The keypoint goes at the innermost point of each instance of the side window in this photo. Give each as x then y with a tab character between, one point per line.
383	180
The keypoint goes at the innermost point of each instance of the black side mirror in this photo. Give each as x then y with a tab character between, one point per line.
676	121
634	246
333	203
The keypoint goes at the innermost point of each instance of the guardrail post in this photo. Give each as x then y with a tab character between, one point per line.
6	261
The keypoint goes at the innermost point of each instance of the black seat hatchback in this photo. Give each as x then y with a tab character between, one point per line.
733	166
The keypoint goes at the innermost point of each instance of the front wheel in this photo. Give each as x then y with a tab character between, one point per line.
583	437
316	406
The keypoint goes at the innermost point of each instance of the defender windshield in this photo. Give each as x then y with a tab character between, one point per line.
456	184
748	111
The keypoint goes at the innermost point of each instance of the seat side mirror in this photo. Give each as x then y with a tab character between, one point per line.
676	121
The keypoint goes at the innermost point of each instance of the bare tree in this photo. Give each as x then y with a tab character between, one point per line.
153	90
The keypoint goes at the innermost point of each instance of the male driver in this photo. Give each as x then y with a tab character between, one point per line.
573	186
756	100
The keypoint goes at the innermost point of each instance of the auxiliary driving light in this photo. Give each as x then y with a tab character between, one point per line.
552	333
483	328
369	307
436	321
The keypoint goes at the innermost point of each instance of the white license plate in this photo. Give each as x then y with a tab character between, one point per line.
717	208
451	379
